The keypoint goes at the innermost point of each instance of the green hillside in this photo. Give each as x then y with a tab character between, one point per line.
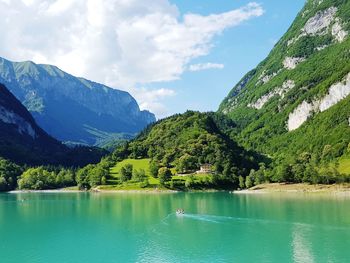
186	141
344	166
297	100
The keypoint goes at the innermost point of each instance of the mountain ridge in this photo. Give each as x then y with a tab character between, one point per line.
65	105
24	142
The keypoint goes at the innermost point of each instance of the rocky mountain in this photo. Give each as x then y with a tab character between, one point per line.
73	109
297	100
23	141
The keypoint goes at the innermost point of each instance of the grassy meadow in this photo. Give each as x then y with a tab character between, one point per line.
177	182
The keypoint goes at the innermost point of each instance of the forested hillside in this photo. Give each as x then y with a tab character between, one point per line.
185	141
296	102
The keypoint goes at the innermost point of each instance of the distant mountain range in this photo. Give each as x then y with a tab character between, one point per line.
24	142
73	109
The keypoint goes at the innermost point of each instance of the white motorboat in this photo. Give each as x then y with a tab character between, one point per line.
180	211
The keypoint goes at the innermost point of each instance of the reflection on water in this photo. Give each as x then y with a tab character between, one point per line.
217	227
302	252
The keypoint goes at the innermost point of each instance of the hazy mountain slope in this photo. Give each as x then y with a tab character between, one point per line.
297	99
23	141
70	108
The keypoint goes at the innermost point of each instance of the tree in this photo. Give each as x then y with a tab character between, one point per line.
227	170
284	173
126	172
96	174
139	175
68	178
35	179
241	182
121	152
164	175
189	181
186	163
219	168
249	182
83	177
3	184
9	173
154	167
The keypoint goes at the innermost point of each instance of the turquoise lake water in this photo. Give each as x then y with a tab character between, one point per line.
217	227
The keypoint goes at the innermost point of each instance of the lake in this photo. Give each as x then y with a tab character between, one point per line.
140	227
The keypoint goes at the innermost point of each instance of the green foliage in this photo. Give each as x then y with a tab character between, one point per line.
326	135
189	181
185	141
9	172
93	175
83	177
249	181
42	178
126	172
241	182
139	175
164	175
186	163
154	168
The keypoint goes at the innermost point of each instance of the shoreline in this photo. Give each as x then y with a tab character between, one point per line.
55	191
44	191
296	188
259	189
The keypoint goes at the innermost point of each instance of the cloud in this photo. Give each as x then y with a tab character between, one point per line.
122	43
205	66
151	99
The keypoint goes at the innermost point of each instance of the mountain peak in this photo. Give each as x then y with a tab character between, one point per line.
65	105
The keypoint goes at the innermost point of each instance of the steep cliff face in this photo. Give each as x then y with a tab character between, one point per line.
20	136
302	81
23	141
70	108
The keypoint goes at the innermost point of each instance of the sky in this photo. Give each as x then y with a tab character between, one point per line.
171	55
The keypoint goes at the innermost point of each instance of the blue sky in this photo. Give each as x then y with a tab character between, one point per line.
240	49
154	49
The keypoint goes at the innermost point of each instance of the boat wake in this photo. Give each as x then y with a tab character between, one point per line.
229	219
205	218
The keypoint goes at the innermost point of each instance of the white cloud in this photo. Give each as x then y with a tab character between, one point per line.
151	99
205	66
117	42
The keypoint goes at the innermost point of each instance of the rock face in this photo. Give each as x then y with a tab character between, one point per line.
320	24
23	141
70	108
23	126
14	115
18	130
338	32
300	115
280	91
291	63
336	93
265	78
320	21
